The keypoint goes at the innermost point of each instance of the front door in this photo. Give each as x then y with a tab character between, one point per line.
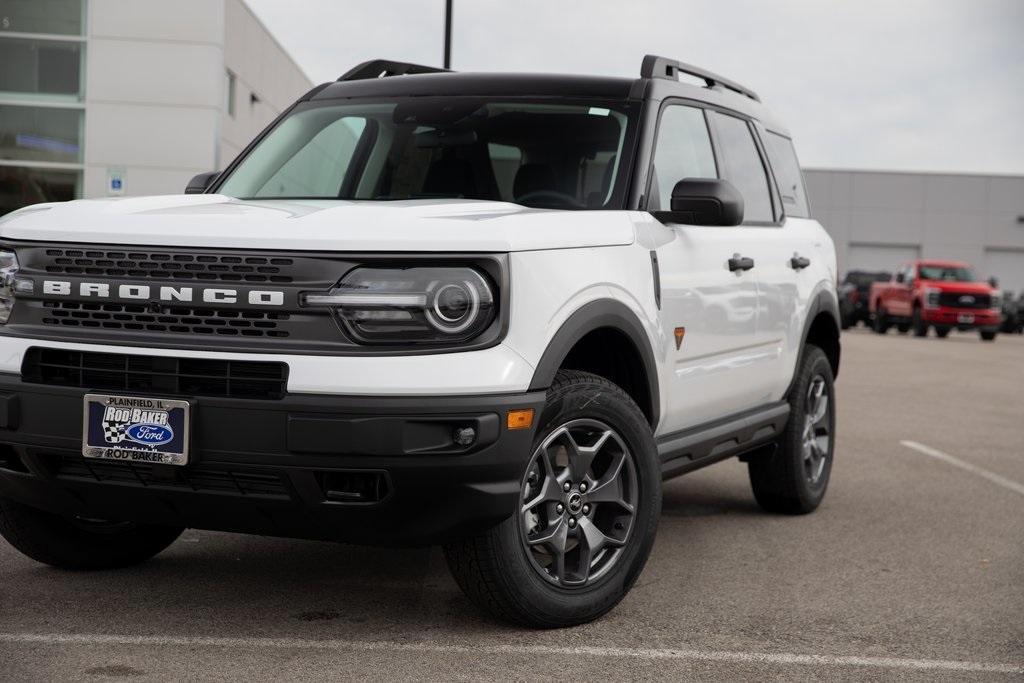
708	311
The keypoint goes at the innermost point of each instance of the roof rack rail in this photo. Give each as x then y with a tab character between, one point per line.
662	67
382	68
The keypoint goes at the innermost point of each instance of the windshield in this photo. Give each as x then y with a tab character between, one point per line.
565	155
947	273
862	278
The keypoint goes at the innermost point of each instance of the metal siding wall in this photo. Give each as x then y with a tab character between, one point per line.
877	218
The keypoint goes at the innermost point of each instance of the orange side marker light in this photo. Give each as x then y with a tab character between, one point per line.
520	419
680	333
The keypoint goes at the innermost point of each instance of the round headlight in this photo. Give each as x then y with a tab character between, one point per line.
453	306
414	305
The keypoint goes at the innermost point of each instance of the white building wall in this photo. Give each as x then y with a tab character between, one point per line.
879	219
152	93
262	69
156	90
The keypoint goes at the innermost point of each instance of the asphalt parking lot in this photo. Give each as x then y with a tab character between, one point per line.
913	568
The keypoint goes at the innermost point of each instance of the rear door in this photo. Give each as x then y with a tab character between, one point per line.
708	313
771	242
795	260
900	298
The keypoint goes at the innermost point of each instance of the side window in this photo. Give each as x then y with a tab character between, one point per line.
742	166
787	175
318	168
683	150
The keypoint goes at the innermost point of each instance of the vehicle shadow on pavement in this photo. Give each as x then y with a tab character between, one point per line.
246	585
237	585
682	498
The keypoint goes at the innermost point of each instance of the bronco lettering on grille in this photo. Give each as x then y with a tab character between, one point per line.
212	295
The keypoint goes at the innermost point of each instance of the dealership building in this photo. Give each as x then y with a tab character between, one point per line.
880	219
131	97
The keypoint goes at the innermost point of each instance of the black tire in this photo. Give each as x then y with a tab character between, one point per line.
500	573
920	326
988	335
80	544
903	328
782	481
942	331
880	321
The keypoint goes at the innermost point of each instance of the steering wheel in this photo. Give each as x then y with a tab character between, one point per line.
550	199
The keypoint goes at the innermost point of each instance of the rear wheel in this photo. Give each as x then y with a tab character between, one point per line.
920	326
903	328
988	335
881	320
80	543
942	331
793	479
586	518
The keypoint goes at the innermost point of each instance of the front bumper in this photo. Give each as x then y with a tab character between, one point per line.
373	470
958	317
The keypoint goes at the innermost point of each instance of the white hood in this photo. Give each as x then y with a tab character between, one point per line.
317	225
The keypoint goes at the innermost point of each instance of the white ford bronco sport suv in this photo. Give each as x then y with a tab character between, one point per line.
491	312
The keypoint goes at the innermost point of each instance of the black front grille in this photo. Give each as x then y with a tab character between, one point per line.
204	479
174	319
964	300
167	265
155	374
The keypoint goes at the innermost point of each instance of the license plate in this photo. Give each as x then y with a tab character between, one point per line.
117	427
965	318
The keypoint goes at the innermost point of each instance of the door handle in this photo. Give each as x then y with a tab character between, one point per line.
799	262
738	262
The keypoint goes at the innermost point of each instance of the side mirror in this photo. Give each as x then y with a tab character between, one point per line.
704	201
900	277
201	183
993	282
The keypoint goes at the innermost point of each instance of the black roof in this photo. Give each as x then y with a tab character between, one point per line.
463	83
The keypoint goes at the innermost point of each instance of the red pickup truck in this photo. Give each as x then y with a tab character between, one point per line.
943	294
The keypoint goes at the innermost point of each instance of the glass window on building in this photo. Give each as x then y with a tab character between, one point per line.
40	67
21	186
41	113
40	134
229	92
62	17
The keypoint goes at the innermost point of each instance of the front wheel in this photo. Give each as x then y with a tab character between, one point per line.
988	335
80	543
792	480
942	331
920	326
588	509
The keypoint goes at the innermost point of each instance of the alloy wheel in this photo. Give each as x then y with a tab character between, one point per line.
817	433
578	504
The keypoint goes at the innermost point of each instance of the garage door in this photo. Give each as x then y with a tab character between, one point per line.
1007	265
879	256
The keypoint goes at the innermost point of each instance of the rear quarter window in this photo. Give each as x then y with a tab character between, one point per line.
790	180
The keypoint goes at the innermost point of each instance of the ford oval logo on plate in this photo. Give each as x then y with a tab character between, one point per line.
150	434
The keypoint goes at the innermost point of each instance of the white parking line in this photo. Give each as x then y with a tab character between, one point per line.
973	469
778	658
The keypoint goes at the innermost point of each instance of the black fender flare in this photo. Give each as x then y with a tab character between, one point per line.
595	315
822	301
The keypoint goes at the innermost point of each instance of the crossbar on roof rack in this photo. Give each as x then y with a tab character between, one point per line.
661	67
382	68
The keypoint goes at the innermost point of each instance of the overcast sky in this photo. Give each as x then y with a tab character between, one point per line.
934	85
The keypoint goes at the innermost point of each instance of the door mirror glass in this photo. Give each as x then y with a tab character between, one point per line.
200	183
704	201
900	277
